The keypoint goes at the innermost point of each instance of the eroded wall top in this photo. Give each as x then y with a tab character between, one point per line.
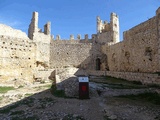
9	31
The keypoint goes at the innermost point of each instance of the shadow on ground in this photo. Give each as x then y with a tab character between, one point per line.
45	106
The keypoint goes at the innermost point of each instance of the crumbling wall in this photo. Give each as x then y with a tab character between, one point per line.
42	41
17	59
8	31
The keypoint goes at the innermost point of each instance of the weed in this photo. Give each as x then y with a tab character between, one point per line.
148	97
28	94
20	96
47	86
32	118
137	82
28	118
154	86
1	98
42	81
117	83
157	73
28	101
21	86
106	118
17	112
57	93
5	89
16	118
71	117
9	108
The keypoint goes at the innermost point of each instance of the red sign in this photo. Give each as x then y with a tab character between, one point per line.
84	88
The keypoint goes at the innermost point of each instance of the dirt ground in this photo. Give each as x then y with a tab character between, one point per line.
37	103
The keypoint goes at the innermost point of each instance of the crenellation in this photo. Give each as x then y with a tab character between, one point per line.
78	36
58	37
71	37
86	37
47	28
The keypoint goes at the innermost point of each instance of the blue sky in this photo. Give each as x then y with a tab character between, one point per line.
75	16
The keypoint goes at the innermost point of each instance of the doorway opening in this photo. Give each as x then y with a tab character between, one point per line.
98	64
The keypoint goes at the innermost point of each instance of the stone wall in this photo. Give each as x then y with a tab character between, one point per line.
44	75
69	53
138	52
145	78
108	32
27	58
158	22
17	58
42	40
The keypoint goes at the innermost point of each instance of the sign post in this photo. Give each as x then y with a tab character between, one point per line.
83	87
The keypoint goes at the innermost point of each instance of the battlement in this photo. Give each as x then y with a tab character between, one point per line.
86	38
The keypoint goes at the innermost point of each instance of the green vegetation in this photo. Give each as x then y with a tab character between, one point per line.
71	117
9	108
145	97
46	101
117	83
5	89
57	93
28	94
154	86
157	73
17	112
1	98
21	86
47	86
29	102
106	118
22	118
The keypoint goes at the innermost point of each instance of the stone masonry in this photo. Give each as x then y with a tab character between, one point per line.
36	56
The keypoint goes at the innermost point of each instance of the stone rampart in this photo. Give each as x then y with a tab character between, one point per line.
69	53
138	52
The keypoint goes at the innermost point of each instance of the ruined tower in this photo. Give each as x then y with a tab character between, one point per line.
114	24
47	28
99	25
33	27
108	32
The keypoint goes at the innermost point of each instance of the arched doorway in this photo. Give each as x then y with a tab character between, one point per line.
98	64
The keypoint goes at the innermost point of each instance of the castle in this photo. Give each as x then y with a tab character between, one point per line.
35	56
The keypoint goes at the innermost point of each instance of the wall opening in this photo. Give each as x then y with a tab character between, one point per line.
98	64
